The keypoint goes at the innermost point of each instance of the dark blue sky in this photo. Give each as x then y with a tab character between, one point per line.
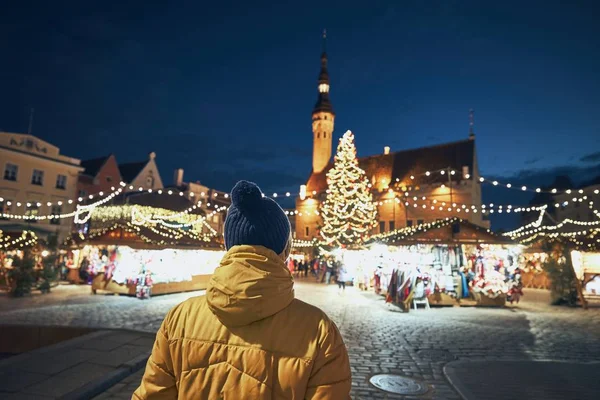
225	91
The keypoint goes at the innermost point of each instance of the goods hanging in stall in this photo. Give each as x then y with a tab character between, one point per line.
446	262
586	265
143	250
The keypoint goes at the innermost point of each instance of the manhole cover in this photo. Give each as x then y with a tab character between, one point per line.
397	384
435	355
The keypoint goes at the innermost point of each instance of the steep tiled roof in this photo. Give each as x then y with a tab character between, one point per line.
401	164
129	171
93	166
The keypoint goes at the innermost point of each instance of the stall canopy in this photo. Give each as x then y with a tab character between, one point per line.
447	231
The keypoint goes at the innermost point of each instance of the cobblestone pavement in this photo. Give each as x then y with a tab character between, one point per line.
379	338
123	389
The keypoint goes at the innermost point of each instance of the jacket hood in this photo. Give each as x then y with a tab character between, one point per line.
250	284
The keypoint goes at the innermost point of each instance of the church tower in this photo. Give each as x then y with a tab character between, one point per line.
322	118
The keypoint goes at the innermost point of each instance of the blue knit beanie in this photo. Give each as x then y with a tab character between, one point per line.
255	220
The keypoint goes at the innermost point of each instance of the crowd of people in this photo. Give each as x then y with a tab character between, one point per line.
324	269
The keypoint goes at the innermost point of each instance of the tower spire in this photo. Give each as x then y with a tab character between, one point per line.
323	103
322	117
471	124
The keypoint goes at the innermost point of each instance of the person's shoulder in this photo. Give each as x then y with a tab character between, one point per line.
185	310
308	313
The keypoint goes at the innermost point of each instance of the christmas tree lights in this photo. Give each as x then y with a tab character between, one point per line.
348	212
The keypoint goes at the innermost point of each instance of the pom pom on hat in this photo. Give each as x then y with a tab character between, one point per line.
246	195
253	219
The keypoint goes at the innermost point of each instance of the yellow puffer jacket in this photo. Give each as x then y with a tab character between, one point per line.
248	338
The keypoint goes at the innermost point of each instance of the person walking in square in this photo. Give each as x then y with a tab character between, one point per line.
342	277
248	337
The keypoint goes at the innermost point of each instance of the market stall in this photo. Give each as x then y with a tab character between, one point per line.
574	244
140	249
587	269
448	262
120	262
12	245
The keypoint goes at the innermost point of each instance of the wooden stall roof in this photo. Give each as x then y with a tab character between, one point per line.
138	237
448	231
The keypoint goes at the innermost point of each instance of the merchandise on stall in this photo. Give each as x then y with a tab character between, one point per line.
496	272
586	265
445	274
144	268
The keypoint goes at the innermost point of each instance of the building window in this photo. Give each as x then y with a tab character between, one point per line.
32	210
37	178
307	230
61	181
409	223
419	222
381	226
82	193
392	226
56	210
109	179
150	182
10	172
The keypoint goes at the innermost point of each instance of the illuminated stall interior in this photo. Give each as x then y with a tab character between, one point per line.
449	261
138	244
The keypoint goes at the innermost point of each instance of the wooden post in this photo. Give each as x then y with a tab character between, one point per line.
578	285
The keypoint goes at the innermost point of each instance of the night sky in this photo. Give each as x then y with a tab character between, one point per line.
226	90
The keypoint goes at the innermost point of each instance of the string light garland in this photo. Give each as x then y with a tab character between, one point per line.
149	216
299	244
85	209
287	194
348	212
25	239
406	232
524	188
542	228
83	212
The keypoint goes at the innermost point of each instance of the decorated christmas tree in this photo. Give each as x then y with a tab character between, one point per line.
348	212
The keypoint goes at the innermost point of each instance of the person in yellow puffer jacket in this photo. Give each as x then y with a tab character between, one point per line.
248	337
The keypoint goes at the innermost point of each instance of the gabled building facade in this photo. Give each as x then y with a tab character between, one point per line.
578	206
37	181
99	175
143	174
